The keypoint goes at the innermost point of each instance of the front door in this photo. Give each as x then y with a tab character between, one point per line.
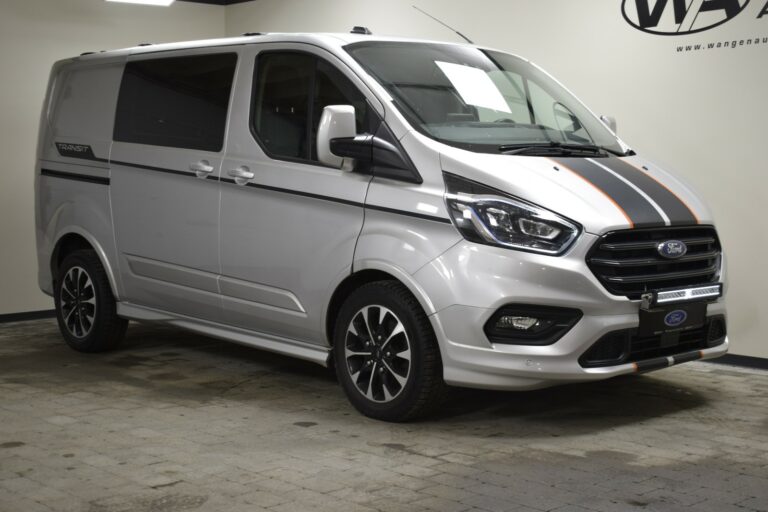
288	223
166	160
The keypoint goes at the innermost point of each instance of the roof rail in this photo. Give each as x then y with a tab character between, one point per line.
86	53
360	30
246	34
145	44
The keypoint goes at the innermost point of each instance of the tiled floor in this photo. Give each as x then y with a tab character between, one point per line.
175	422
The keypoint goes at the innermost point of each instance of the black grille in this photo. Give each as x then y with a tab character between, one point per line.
625	346
628	262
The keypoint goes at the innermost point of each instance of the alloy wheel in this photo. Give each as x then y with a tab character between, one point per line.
378	353
78	302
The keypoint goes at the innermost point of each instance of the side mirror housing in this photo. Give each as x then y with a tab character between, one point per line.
610	122
338	145
337	121
380	153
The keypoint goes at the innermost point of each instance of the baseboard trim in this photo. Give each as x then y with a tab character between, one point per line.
27	315
760	363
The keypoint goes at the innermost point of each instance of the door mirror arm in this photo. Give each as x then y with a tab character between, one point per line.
359	148
380	153
375	153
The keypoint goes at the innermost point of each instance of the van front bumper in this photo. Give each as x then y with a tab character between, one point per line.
469	283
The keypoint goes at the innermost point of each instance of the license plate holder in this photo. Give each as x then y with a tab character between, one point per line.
672	318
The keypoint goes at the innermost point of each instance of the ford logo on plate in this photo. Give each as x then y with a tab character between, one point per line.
672	249
675	318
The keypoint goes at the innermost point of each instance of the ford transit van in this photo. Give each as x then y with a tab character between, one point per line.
412	214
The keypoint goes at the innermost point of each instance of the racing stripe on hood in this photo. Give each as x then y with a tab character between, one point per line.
634	203
676	209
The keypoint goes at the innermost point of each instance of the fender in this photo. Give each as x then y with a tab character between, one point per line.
402	276
76	230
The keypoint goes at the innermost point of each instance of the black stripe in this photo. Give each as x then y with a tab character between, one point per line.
293	192
677	211
297	193
343	201
151	168
75	177
640	211
408	213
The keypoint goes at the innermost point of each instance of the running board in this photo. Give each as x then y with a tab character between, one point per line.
286	346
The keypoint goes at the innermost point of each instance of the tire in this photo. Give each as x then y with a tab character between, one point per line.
398	375
85	306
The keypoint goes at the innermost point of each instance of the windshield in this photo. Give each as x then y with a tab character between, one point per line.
480	100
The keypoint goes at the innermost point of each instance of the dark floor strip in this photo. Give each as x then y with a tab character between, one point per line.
760	363
27	315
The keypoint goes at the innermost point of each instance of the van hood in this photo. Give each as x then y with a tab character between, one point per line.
602	194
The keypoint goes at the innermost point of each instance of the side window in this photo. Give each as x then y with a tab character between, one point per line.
333	88
179	102
281	102
290	92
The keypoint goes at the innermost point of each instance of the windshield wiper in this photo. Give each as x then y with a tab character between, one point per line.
553	147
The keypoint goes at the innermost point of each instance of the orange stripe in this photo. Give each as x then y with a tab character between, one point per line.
698	221
558	164
634	365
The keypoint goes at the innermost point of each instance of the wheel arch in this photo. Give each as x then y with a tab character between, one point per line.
367	272
74	239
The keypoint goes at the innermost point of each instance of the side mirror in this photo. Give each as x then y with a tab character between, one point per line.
610	122
337	121
380	153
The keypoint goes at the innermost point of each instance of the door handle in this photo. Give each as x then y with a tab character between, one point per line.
202	168
242	175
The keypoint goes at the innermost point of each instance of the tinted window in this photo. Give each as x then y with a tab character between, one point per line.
333	88
281	105
179	102
290	92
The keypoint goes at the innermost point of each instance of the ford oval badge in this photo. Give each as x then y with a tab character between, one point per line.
675	318
672	249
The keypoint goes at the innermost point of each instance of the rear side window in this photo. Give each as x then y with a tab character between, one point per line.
178	102
290	92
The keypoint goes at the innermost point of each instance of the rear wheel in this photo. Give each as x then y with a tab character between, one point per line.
386	354
85	306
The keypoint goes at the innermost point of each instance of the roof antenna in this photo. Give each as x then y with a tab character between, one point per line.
444	24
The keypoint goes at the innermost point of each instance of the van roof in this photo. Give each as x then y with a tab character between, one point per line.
320	39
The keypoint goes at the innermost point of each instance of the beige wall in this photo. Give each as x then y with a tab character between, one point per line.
34	34
700	114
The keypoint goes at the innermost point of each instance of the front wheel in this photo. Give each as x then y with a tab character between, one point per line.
386	354
85	306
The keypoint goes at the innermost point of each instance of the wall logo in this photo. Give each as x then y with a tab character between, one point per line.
680	17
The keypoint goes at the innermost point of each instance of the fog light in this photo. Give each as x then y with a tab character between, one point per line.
528	324
522	323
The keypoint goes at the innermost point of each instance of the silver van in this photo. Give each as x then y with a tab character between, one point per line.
412	214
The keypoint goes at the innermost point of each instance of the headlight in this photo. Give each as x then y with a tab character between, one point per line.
485	215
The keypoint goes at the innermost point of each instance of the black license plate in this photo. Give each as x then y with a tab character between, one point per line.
672	318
